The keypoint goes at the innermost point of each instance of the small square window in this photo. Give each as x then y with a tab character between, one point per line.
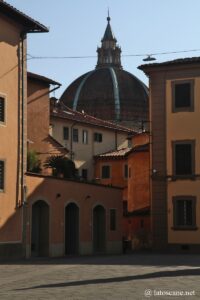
105	172
184	208
65	133
2	174
2	109
112	219
85	137
75	135
184	158
98	137
183	96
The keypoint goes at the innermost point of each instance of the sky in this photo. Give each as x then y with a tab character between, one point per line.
77	26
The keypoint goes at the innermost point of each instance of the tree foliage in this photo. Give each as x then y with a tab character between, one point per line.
61	166
33	162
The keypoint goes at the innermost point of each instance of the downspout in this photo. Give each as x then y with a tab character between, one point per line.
23	186
71	141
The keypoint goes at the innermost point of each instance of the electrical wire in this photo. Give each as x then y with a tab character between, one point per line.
95	56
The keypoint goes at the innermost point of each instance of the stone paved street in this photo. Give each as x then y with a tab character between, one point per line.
106	277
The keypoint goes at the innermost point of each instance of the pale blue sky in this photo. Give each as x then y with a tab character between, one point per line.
140	26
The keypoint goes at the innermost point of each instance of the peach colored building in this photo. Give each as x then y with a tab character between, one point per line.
175	153
129	168
38	111
14	27
86	136
43	215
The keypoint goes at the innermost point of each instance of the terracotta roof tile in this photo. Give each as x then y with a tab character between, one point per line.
123	152
42	78
180	61
115	153
12	12
81	117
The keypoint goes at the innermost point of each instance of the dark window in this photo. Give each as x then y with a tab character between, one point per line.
184	211
126	171
65	133
98	137
1	175
183	96
85	137
141	223
75	135
84	173
129	172
112	219
105	172
125	207
183	158
2	109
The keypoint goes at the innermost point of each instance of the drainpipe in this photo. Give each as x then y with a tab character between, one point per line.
71	141
23	186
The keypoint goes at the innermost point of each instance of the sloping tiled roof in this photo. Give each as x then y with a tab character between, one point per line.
121	153
115	153
42	78
180	61
12	12
81	117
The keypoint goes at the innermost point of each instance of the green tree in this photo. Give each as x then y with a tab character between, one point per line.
33	162
61	166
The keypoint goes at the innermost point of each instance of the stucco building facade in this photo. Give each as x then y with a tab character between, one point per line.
175	153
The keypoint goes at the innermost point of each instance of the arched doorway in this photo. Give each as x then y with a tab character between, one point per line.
40	229
71	229
99	229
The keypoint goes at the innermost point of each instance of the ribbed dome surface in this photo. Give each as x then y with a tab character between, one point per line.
108	93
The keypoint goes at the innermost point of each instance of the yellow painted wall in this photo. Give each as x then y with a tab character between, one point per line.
183	126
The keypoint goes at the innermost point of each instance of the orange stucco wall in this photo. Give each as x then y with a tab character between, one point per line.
138	181
38	117
117	177
86	196
9	88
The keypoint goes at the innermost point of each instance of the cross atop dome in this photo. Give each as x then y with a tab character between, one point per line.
109	54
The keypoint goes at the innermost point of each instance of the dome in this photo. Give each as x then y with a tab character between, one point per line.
108	93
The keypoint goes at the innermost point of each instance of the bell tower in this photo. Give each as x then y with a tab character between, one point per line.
109	54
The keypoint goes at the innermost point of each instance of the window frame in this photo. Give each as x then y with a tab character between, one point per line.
3	96
106	165
126	171
186	108
97	140
182	142
73	130
113	228
2	190
83	136
175	200
65	127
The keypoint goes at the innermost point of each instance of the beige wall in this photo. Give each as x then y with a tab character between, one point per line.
84	152
9	87
183	126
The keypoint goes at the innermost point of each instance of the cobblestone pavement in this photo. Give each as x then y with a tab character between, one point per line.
105	277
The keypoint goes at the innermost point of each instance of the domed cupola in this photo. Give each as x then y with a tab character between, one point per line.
109	92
